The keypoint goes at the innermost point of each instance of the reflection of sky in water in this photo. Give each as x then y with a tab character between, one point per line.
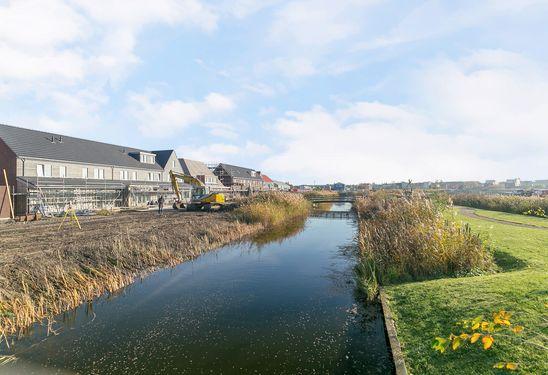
287	308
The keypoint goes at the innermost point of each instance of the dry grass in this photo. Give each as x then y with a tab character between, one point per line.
273	208
404	237
45	272
320	194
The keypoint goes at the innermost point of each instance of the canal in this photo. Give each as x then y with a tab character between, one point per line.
281	304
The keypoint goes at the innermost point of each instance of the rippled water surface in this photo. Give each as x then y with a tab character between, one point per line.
275	306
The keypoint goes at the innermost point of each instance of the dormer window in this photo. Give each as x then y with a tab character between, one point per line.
147	158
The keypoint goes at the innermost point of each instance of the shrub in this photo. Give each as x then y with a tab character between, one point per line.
536	206
273	208
406	237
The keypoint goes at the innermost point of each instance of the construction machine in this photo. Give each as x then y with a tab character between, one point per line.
201	199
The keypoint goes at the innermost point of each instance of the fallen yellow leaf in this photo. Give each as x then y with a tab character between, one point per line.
487	341
512	366
517	329
475	337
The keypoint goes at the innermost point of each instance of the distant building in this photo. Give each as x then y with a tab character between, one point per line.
200	171
268	184
239	177
512	183
282	186
338	186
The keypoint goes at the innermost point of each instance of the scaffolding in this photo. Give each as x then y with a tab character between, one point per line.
53	195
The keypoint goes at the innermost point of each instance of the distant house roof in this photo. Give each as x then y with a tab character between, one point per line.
195	168
162	156
266	179
44	145
240	172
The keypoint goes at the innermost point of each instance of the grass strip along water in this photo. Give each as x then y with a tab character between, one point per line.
503	269
45	272
531	206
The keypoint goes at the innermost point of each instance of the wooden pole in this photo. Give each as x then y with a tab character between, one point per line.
9	194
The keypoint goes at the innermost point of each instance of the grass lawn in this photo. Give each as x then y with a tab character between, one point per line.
523	219
424	310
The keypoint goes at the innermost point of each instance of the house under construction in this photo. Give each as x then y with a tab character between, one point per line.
48	171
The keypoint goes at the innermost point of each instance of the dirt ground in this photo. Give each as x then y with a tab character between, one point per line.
45	271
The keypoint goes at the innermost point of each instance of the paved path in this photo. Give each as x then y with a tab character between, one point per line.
470	212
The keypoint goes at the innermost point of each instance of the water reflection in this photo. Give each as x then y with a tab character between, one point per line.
280	233
288	309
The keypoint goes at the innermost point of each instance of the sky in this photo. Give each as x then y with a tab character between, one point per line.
307	91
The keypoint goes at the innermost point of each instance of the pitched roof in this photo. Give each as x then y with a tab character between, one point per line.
240	172
195	168
162	156
266	178
38	144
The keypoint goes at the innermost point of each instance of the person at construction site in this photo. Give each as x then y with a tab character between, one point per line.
161	204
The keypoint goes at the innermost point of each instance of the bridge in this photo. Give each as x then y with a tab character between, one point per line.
342	198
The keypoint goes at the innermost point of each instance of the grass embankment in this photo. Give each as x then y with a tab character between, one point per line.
45	272
272	209
427	309
534	206
512	218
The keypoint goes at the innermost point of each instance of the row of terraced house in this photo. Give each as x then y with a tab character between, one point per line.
50	171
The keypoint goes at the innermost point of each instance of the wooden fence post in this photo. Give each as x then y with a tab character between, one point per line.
9	194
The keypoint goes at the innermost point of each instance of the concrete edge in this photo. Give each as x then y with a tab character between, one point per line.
397	354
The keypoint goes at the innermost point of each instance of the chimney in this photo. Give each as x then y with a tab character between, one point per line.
60	139
52	139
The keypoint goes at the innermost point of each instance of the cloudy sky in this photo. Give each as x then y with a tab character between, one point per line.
305	90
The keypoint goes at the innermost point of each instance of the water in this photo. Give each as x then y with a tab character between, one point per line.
276	306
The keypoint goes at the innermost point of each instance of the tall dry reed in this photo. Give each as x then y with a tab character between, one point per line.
406	237
273	208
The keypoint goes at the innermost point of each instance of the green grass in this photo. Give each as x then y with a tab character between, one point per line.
427	309
523	219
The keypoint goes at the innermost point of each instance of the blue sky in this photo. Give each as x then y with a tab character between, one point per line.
306	90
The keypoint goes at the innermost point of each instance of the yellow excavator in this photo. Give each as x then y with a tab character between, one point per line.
201	199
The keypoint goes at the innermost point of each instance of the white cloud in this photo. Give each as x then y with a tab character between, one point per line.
164	118
222	130
318	22
223	152
482	116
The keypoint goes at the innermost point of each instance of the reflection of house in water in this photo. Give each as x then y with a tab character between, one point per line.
52	170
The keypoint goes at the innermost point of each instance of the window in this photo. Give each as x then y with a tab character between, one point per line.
43	170
134	176
62	171
173	164
98	173
150	176
143	158
157	176
84	173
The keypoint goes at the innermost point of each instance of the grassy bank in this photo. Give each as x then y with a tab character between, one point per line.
428	309
512	218
534	206
272	209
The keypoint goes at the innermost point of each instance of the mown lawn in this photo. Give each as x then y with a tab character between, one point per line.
523	219
424	310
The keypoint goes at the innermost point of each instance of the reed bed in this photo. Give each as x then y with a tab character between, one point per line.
274	208
535	206
406	237
75	266
320	194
